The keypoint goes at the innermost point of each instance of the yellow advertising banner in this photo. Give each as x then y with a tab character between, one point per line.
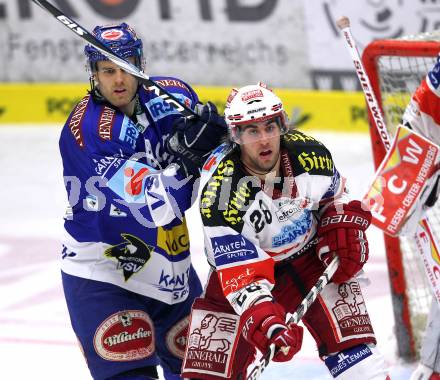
39	103
332	111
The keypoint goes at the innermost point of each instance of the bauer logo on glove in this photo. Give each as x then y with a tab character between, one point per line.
341	231
343	218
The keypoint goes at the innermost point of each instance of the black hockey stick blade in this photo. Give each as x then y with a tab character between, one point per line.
121	62
296	316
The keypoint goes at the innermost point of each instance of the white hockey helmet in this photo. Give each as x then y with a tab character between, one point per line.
252	104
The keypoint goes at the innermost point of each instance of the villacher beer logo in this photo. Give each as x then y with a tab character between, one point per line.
176	338
125	336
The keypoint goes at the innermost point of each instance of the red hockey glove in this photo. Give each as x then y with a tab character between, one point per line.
343	233
264	324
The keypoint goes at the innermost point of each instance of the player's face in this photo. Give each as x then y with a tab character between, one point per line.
260	145
117	86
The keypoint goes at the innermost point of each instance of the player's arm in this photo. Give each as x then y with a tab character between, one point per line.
193	138
246	275
423	111
423	116
154	197
341	232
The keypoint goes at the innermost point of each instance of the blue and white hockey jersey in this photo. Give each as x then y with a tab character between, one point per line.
125	222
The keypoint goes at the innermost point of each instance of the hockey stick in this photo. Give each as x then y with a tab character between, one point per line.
344	24
311	296
124	64
424	233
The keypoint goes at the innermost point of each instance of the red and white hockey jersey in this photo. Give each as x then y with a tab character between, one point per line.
249	225
423	112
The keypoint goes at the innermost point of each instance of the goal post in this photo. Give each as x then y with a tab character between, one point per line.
395	68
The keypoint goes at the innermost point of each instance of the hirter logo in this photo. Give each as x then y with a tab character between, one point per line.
112	34
125	336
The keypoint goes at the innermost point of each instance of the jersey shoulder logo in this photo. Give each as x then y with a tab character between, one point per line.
76	120
307	154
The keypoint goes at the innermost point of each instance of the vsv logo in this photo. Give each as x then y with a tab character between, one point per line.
131	255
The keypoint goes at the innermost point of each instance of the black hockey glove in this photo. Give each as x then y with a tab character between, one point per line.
194	138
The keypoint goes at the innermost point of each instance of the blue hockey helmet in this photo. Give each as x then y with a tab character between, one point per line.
121	39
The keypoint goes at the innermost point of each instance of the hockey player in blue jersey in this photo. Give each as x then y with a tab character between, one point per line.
126	270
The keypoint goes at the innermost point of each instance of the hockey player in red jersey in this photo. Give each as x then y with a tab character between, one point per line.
275	211
423	116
